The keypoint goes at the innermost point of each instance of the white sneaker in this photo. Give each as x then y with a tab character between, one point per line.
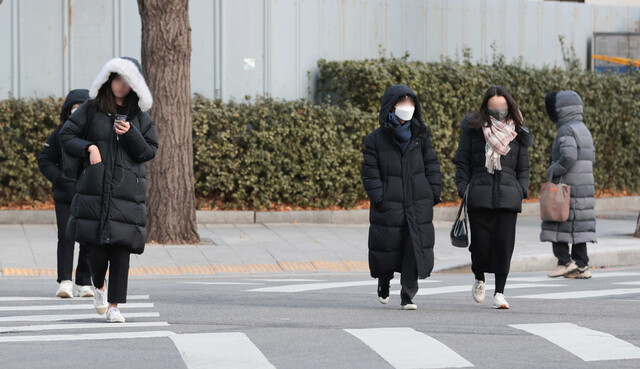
561	270
114	316
83	291
410	307
478	291
499	302
100	300
65	290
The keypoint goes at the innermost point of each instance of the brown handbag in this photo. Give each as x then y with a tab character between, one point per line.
555	201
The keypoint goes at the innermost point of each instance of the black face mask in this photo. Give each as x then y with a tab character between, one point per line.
500	114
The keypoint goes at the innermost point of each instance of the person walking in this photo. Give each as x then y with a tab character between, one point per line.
402	177
492	167
50	164
114	136
572	159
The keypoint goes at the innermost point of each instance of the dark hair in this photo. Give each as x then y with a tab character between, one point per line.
481	117
106	100
401	99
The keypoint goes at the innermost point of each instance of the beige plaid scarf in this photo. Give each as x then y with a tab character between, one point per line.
497	136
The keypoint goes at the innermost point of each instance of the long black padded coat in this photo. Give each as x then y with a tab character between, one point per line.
402	188
109	205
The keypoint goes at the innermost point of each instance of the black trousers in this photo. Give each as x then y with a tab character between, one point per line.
116	260
408	270
578	253
65	251
493	236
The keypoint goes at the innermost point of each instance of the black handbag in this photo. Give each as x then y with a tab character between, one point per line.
460	229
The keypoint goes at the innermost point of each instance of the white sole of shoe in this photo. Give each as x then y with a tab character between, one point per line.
101	310
86	294
384	301
410	307
115	321
64	294
501	307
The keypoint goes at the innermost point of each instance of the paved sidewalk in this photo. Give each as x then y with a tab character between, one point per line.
276	248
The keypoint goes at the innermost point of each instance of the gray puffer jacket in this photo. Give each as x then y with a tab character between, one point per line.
572	159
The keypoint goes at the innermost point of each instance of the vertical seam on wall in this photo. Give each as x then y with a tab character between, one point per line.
15	40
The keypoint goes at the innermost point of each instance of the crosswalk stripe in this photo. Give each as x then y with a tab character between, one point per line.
407	349
323	286
220	350
286	280
581	294
40	298
631	283
71	307
467	288
587	344
50	327
86	336
63	317
224	283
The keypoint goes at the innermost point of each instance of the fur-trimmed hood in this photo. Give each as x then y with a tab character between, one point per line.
131	71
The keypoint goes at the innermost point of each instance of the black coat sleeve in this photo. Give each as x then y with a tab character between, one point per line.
71	133
463	161
522	170
142	143
371	178
49	158
432	169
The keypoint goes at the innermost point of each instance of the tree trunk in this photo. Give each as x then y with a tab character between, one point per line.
166	60
637	232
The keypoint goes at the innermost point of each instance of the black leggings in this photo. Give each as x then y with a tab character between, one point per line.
116	259
65	250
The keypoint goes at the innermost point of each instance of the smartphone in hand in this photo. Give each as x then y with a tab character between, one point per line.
119	118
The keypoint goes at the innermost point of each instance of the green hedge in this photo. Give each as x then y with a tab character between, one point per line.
268	153
25	125
271	152
448	90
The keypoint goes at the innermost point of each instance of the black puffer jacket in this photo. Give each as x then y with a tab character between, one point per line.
50	159
504	189
403	188
109	206
50	163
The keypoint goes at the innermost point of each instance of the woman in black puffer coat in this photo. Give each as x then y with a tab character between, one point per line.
114	136
64	188
401	174
492	162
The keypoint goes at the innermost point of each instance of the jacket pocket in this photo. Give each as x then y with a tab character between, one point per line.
91	180
421	187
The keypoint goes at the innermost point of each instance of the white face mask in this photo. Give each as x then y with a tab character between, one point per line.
405	112
73	110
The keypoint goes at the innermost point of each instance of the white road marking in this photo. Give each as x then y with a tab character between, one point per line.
224	283
467	288
87	336
614	274
587	344
221	350
581	294
49	327
63	317
405	348
71	307
323	286
632	283
286	280
79	299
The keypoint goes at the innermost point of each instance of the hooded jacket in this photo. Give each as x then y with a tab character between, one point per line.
403	187
50	159
109	206
572	158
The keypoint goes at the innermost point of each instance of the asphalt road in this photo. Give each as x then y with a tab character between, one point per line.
328	321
